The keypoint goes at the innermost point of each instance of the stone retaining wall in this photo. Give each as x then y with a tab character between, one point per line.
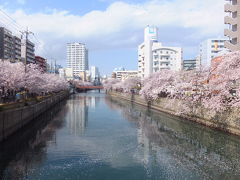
227	121
14	119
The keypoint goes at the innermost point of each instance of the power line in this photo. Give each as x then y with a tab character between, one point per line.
13	20
10	22
5	23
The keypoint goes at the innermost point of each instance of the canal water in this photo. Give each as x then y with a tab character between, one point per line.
94	137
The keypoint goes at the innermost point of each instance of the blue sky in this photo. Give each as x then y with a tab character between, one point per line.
112	30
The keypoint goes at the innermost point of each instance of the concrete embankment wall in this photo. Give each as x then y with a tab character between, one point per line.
14	119
227	121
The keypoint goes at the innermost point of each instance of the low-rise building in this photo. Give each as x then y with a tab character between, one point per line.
122	75
41	62
62	73
69	74
83	76
114	75
190	64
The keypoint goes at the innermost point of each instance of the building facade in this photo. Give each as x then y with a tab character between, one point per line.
122	75
62	73
154	57
95	75
210	49
13	48
69	74
190	64
77	58
28	48
10	46
17	48
232	7
41	62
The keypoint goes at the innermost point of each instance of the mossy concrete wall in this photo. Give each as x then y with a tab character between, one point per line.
14	119
226	121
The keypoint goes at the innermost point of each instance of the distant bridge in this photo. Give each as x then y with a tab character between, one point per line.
88	88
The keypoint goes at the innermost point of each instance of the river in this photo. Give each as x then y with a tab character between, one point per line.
92	136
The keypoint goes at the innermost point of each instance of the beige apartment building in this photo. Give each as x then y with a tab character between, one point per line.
232	7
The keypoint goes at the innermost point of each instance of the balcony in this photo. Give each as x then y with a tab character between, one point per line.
231	8
231	34
229	20
164	68
165	55
231	46
165	60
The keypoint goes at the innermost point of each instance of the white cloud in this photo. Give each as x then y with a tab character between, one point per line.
121	24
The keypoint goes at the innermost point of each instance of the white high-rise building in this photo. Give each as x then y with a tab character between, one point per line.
95	75
153	57
210	49
77	58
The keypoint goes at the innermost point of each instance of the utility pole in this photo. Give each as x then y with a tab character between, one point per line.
55	66
26	33
51	67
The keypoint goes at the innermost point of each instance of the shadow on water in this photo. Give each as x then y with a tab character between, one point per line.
210	153
17	151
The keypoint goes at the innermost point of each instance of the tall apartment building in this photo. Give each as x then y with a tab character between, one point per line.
6	42
13	48
77	58
154	57
30	51
17	48
10	45
233	20
210	49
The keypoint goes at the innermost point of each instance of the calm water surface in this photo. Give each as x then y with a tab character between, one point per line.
91	136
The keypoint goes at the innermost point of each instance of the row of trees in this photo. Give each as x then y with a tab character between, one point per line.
14	78
217	88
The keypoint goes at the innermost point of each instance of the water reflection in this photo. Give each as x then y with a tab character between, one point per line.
27	149
97	137
208	153
77	116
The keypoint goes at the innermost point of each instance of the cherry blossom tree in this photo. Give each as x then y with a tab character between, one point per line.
224	83
109	84
157	84
14	78
131	83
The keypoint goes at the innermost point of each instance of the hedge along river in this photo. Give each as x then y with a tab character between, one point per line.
93	136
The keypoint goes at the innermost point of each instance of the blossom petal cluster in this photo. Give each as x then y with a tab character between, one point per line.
216	88
14	76
124	86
